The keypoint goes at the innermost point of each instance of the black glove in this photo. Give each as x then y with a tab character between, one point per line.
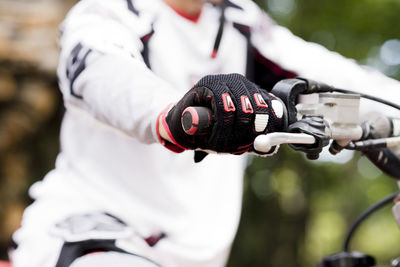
315	126
241	111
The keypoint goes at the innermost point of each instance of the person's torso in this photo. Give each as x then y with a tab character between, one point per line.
196	205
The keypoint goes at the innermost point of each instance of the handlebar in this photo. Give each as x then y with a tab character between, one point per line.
339	110
305	99
196	120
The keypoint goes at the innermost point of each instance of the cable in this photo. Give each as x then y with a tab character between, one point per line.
373	98
364	215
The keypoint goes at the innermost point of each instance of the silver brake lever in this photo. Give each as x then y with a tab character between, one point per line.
264	143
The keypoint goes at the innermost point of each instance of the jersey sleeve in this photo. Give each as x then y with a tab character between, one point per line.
305	59
102	72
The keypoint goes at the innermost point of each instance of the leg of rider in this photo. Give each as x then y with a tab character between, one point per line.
108	259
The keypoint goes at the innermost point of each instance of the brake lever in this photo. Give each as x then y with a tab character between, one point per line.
265	142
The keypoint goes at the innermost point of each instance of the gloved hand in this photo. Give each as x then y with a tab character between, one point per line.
241	111
315	126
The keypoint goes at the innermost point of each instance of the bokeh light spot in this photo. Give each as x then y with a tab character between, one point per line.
390	52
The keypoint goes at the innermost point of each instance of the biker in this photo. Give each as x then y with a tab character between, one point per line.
124	69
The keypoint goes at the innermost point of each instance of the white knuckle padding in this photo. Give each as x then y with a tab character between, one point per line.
261	122
277	108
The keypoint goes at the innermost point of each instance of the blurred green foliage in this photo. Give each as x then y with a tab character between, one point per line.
296	211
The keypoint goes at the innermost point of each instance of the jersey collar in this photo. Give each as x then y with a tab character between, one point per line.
192	18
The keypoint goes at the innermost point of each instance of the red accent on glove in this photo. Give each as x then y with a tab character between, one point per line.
174	147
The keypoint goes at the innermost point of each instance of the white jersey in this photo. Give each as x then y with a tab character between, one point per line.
122	62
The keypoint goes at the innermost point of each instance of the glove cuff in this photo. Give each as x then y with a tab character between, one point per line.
173	146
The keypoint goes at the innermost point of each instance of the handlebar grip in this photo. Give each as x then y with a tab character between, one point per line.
196	120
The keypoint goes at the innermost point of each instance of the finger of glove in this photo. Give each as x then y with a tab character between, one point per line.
234	104
224	106
238	104
258	113
244	130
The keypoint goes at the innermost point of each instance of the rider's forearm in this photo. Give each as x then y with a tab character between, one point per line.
102	72
122	93
314	61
